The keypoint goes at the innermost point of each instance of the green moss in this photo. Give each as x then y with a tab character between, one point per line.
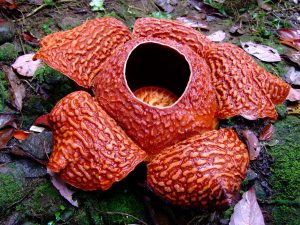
286	170
43	204
3	91
8	52
105	207
11	191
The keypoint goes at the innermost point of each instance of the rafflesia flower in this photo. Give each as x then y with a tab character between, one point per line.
158	95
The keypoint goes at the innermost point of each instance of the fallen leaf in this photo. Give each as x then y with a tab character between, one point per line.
217	36
166	5
293	76
237	30
25	66
293	56
62	188
194	22
262	4
43	120
252	143
267	132
5	135
38	145
290	37
7	119
294	109
247	211
30	38
294	95
21	134
262	52
17	88
288	33
10	4
205	8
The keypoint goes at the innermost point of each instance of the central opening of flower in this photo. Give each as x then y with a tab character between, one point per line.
157	74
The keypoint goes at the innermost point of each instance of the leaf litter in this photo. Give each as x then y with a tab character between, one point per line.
247	211
262	52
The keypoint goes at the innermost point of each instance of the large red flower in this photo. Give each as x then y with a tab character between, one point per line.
159	93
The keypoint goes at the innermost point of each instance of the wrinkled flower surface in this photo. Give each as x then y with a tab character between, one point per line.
158	94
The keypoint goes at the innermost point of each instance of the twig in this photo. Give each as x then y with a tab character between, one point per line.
20	200
40	8
124	214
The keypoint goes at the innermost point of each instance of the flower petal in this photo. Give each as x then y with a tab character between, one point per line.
80	52
90	150
243	87
205	170
172	30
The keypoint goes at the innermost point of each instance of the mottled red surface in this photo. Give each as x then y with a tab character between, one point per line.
99	140
90	151
80	52
205	170
155	128
243	87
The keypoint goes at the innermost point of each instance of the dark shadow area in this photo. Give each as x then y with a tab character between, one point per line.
152	64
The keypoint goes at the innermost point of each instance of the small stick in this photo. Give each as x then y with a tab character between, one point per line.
124	214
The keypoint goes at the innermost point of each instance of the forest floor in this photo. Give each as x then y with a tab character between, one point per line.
27	195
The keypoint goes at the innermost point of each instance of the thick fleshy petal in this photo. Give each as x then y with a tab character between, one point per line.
204	171
80	52
243	87
90	150
172	30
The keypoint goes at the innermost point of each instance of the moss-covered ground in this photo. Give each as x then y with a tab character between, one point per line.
286	171
36	201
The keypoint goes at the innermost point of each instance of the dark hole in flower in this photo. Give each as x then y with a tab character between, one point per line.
153	64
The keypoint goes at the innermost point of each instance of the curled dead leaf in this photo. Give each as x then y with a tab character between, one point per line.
294	95
5	135
217	36
262	52
7	119
17	88
247	210
267	132
21	134
62	188
252	143
25	66
195	22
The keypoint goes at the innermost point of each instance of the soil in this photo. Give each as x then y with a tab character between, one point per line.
26	193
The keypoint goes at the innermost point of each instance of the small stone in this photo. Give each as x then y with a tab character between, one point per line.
7	31
251	175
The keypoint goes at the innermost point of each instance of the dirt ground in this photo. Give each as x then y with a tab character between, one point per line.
26	194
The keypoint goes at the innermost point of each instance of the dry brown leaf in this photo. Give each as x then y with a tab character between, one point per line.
293	76
62	188
294	110
247	210
267	133
294	95
17	88
21	134
5	135
262	52
252	143
7	119
194	22
25	66
217	36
